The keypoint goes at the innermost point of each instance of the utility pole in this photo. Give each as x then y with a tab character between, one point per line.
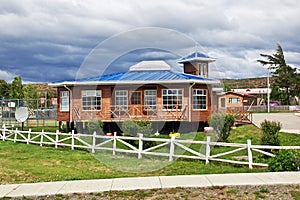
268	90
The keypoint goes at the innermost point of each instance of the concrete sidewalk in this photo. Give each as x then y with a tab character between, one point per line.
157	182
290	121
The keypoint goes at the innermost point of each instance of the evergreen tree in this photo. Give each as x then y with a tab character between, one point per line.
285	76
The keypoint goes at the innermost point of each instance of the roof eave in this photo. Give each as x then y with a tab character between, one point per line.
72	83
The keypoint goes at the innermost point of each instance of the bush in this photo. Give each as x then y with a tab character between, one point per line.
270	131
285	160
96	125
221	123
132	128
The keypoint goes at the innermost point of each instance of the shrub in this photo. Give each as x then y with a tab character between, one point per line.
132	128
270	131
95	125
285	160
221	123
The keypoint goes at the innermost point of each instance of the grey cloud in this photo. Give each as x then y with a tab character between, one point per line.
58	35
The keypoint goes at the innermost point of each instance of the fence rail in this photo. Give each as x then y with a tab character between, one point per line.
94	142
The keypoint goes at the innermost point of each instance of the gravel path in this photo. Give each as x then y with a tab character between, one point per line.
275	192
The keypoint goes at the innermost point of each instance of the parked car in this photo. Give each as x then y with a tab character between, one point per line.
274	103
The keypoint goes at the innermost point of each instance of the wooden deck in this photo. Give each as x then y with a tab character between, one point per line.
137	112
241	116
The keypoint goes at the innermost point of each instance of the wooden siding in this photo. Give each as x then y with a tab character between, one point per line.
108	110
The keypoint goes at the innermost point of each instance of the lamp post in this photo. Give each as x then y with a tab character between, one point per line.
268	90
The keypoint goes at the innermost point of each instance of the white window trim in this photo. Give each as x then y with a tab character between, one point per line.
150	105
100	100
61	102
162	99
126	96
234	98
205	98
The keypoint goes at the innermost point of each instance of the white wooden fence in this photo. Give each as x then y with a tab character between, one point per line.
95	142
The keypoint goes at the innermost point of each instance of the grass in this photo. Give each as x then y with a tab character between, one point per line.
31	163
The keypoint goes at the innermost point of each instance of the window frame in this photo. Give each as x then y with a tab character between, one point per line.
200	95
231	98
170	95
82	101
150	106
62	101
125	106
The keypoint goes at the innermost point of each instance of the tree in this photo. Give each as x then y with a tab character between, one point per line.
285	75
4	88
16	89
31	91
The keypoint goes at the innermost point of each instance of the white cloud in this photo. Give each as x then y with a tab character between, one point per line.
62	32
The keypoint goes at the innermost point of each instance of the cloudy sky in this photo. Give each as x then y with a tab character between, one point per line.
50	40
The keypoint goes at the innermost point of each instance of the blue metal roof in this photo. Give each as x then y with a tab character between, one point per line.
196	56
138	76
147	75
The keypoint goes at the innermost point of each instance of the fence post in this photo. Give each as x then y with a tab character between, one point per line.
56	138
42	138
140	146
207	150
28	136
172	147
250	158
72	145
94	142
16	134
115	143
3	132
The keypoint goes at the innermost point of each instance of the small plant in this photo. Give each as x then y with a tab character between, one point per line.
270	131
222	123
96	125
285	160
132	128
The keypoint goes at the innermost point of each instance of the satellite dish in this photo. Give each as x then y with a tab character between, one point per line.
21	114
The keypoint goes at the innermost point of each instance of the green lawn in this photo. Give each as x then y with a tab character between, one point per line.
31	163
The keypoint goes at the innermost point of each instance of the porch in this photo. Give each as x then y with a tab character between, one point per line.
134	112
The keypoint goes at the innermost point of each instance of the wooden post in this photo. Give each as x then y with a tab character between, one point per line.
250	158
28	136
72	139
172	148
56	138
140	146
207	150
115	143
94	142
16	134
42	137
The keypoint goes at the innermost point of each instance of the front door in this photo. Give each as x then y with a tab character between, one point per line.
135	108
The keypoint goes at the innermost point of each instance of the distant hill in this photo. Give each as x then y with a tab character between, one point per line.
247	82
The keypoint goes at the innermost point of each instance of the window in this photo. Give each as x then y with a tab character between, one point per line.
172	98
199	99
150	99
64	101
122	99
135	98
234	100
91	100
202	67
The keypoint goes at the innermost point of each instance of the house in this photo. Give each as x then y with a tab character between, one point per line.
150	90
239	100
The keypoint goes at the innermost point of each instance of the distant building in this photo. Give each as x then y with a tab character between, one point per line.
240	99
150	90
